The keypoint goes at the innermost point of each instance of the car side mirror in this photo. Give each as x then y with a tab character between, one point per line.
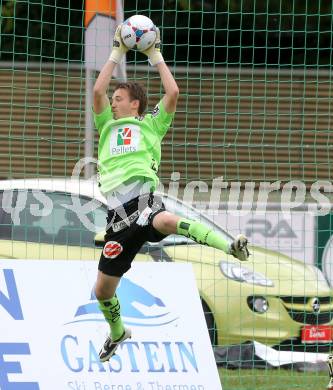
99	239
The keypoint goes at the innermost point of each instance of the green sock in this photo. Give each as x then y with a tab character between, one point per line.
202	234
111	310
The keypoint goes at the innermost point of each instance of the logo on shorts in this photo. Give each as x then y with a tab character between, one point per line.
112	249
144	216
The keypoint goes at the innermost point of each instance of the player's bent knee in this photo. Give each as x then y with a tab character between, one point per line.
166	222
103	293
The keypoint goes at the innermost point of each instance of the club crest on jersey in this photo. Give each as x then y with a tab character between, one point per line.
124	139
155	111
112	249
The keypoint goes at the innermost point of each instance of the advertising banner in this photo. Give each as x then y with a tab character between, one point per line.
293	236
51	329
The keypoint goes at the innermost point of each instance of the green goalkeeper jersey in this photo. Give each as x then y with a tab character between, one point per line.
130	147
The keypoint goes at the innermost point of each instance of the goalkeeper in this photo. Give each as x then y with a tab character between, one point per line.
129	155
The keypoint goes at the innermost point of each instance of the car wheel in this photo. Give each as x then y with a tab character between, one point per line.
210	322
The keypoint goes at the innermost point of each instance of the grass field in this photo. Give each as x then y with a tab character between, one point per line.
279	379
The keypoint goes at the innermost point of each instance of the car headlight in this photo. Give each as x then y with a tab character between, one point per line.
240	273
258	304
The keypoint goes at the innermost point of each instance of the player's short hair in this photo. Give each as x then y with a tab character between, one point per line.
135	91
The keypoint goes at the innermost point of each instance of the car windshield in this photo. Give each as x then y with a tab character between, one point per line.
176	207
66	219
50	217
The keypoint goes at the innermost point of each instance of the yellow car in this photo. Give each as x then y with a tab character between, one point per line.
271	298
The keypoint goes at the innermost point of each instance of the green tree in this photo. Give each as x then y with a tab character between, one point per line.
206	32
46	30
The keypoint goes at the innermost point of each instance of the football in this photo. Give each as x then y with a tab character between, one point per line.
138	32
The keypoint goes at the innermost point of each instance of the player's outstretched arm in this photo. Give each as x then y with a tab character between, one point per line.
102	83
169	83
170	87
101	86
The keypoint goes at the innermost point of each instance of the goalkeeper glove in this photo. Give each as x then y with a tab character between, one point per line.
154	51
118	48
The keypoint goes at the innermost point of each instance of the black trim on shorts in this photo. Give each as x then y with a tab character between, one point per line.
121	246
